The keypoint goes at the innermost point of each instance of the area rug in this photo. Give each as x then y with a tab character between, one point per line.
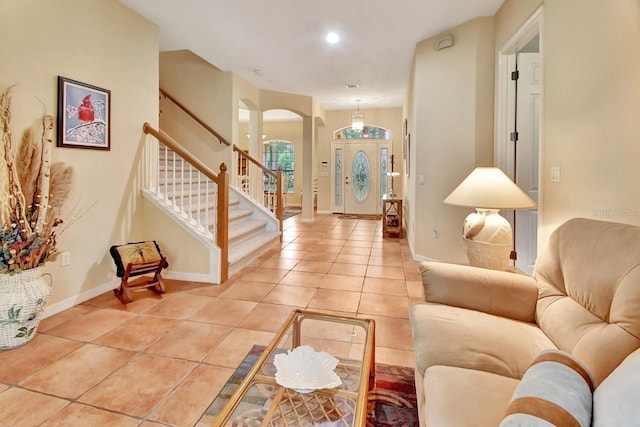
391	403
356	216
289	214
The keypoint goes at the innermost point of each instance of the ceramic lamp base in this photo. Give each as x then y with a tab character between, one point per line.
488	239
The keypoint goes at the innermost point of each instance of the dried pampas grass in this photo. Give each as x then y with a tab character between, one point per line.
12	203
60	187
28	163
32	193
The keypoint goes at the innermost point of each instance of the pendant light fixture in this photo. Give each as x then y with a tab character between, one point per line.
357	118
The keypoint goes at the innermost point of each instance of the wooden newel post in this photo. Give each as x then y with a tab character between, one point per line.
279	210
222	236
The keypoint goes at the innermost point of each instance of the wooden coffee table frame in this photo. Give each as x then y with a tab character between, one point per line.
294	322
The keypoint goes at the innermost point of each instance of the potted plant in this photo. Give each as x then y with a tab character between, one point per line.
32	191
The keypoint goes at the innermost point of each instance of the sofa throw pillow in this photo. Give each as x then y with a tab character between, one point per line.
556	390
136	252
615	401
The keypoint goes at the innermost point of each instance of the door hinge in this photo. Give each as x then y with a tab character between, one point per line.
515	75
513	255
514	136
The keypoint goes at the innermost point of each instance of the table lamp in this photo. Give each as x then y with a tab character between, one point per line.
487	235
392	194
392	174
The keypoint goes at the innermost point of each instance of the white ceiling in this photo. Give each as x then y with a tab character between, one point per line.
280	44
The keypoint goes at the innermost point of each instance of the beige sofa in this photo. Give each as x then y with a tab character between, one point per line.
479	330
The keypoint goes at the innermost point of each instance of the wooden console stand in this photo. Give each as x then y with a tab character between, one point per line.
391	216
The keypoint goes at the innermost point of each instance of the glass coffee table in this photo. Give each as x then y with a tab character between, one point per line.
261	401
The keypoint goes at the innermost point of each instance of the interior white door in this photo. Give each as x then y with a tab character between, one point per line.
527	157
361	180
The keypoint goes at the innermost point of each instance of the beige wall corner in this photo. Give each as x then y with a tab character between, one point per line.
450	117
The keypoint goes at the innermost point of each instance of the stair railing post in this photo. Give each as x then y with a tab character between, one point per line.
279	210
222	229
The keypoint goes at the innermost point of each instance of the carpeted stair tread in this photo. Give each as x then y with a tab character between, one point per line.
238	214
247	247
244	229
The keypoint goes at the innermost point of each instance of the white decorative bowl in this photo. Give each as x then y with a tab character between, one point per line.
304	369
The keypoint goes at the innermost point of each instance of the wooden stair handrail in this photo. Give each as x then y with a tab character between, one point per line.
196	118
182	152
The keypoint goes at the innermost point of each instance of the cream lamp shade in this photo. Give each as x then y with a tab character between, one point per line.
392	175
487	235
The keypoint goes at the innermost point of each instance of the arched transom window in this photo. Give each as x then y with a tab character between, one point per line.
369	132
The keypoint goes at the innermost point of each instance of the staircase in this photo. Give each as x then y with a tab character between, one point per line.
189	196
250	233
190	199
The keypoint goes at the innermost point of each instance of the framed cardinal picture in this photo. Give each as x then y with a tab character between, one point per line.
84	113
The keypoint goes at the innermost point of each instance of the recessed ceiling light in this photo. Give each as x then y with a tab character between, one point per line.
353	86
332	38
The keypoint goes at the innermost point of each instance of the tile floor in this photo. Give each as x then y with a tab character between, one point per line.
161	360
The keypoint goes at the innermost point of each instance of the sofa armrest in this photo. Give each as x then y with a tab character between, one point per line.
495	292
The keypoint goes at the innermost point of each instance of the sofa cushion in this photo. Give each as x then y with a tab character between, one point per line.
615	401
458	397
556	389
496	292
589	292
452	336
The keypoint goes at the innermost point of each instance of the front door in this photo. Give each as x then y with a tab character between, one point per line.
361	196
359	176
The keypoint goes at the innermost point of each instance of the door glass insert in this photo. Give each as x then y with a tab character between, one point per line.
383	170
338	178
361	176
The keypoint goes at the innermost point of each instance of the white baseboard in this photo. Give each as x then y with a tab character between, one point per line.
190	277
323	212
417	257
65	304
424	258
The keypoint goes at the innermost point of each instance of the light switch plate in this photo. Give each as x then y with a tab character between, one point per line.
555	173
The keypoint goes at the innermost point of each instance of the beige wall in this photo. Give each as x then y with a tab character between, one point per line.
208	93
591	105
299	104
388	118
103	43
450	115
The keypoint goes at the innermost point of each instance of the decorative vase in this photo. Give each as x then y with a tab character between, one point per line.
23	297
